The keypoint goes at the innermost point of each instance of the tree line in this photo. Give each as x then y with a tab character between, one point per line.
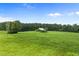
50	27
33	26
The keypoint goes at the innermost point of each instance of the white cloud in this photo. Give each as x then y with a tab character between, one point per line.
77	12
4	19
73	13
66	14
54	14
28	6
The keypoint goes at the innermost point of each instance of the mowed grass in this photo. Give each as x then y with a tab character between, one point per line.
39	44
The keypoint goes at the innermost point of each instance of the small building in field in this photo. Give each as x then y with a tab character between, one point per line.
41	30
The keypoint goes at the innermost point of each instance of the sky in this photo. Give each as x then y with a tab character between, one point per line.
60	13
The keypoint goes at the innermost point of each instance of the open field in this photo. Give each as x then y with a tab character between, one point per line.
39	44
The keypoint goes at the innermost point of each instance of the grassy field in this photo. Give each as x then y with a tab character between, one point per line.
39	44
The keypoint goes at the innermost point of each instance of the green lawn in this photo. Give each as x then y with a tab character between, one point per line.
39	44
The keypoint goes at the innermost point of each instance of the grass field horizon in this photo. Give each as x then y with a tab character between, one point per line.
33	43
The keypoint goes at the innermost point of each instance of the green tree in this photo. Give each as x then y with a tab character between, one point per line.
75	28
13	27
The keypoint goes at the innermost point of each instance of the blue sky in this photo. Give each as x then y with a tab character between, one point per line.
60	13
